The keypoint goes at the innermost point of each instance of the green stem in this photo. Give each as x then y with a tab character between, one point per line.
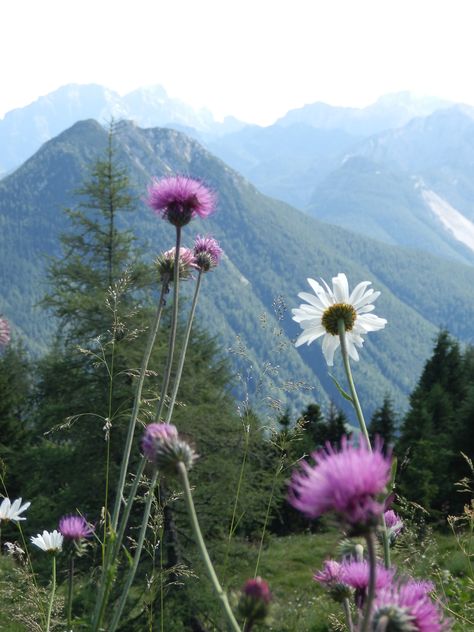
203	550
107	458
386	544
267	515
348	615
347	367
237	496
371	586
113	551
136	403
173	329
53	590
69	591
184	349
136	558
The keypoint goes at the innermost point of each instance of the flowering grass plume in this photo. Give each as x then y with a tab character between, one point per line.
320	317
407	607
75	528
207	253
347	482
49	542
5	333
12	511
179	199
165	263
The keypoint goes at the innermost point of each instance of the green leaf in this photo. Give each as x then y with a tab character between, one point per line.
341	390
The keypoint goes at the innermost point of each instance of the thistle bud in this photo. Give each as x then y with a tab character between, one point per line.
162	446
254	600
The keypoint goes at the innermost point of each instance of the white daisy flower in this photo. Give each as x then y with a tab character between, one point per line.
9	511
326	307
49	542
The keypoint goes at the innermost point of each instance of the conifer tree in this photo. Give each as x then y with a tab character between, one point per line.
383	422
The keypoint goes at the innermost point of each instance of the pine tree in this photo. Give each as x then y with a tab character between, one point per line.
384	423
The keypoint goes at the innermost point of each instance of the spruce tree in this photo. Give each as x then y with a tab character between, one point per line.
384	423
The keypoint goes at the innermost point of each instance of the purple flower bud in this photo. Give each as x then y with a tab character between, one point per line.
162	446
5	333
207	253
254	600
165	264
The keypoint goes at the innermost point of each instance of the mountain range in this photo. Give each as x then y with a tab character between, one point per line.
270	250
400	170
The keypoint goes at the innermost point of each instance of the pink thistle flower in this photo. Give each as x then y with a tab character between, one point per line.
179	199
75	528
331	573
207	253
345	482
254	600
156	434
356	575
165	263
408	607
5	334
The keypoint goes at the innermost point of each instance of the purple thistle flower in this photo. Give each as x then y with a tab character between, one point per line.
75	527
258	589
165	263
178	199
331	574
346	482
207	253
156	434
408	607
356	575
5	333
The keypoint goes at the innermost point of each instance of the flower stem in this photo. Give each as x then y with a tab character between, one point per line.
69	591
348	615
267	515
184	349
53	590
371	586
136	558
136	403
347	367
203	550
173	329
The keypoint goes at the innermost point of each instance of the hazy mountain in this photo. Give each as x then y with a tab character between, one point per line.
390	111
270	250
411	186
24	130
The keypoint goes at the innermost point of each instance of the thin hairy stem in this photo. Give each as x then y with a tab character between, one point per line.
267	516
203	550
137	401
187	334
371	587
70	591
136	558
237	496
348	614
173	329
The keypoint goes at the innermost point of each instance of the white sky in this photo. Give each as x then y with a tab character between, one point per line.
255	59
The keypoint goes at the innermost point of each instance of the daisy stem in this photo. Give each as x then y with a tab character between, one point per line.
136	558
174	325
203	550
69	591
355	399
53	590
184	349
371	586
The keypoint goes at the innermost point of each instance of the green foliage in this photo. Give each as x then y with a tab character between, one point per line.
384	422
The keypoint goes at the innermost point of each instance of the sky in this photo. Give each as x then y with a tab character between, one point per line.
253	59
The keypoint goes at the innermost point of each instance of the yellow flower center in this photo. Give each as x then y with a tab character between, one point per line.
335	313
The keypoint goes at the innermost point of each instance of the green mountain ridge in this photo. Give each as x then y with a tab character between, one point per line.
270	249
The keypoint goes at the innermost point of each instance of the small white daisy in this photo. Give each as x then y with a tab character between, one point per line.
326	307
49	542
9	511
